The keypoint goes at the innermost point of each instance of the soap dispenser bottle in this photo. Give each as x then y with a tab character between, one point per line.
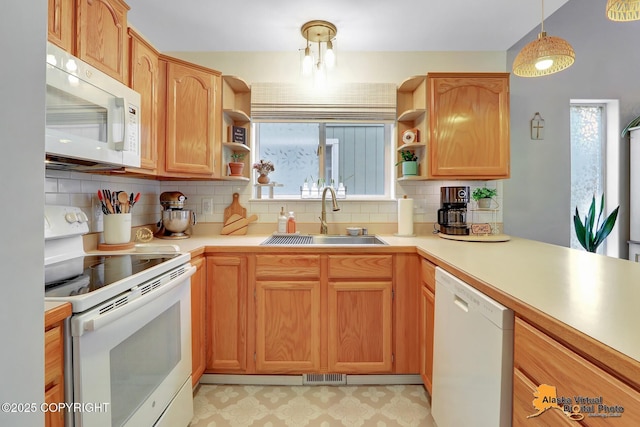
291	223
282	221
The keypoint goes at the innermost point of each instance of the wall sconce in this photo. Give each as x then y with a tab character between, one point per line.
537	126
318	32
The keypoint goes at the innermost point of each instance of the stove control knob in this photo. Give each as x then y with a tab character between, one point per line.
82	217
71	217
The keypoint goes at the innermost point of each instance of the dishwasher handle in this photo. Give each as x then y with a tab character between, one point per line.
461	303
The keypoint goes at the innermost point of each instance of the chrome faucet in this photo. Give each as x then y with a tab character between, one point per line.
323	218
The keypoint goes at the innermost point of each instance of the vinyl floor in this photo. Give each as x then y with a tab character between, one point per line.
313	406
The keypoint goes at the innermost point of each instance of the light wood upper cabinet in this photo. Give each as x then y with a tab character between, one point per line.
61	28
144	79
227	314
102	36
198	319
468	125
192	120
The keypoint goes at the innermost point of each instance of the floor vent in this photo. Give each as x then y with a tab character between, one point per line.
324	379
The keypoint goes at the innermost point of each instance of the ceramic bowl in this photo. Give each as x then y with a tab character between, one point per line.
353	231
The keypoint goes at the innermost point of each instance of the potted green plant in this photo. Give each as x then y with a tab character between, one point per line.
483	196
592	232
409	163
236	167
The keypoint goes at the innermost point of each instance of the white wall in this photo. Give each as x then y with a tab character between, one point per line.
365	67
22	30
537	197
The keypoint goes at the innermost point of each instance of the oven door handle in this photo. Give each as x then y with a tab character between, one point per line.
96	322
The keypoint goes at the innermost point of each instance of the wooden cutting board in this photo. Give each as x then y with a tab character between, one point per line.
234	208
237	225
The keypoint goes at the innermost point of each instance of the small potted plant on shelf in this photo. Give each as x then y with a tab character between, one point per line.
409	163
483	196
236	166
264	168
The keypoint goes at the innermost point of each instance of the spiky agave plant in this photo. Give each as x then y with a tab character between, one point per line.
592	233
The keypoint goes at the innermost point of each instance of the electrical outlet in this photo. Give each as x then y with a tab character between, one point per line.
207	206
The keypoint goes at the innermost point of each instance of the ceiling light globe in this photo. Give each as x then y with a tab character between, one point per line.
330	58
544	63
307	63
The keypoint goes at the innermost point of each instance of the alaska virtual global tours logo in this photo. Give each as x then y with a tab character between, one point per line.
575	408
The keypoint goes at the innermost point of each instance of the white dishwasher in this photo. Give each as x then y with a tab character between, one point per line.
472	357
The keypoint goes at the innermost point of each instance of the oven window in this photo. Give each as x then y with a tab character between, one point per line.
141	363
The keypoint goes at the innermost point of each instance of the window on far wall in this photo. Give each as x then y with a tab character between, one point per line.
355	154
594	163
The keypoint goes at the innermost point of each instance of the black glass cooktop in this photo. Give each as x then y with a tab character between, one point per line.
86	274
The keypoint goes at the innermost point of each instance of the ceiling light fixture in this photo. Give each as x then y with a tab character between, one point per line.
318	32
543	56
623	10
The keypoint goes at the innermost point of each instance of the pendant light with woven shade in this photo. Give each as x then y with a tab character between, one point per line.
623	10
543	56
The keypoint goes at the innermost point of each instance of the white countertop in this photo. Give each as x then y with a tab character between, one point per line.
596	295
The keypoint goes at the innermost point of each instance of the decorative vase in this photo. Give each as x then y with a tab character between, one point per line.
484	203
263	179
409	168
236	168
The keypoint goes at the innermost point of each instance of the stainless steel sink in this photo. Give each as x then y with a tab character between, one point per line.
322	239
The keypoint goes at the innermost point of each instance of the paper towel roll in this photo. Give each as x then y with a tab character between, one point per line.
405	217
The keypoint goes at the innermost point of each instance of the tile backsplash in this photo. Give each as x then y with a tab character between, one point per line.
80	189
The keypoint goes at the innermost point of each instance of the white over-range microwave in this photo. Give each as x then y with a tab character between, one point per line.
92	120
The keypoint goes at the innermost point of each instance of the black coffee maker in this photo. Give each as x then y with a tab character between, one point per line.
452	215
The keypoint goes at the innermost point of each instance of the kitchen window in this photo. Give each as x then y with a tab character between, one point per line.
354	154
340	133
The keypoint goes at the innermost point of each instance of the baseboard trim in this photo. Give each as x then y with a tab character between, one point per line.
291	380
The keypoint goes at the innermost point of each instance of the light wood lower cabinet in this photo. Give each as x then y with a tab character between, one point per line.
287	326
427	311
54	362
198	319
360	327
227	314
359	313
292	313
287	300
327	313
540	359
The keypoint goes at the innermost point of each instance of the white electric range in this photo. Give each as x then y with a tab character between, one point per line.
128	341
